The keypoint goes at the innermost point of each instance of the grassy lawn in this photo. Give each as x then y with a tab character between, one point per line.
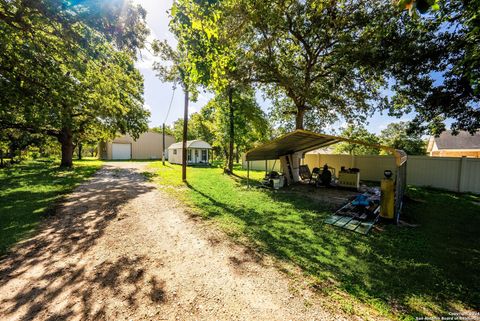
29	190
399	272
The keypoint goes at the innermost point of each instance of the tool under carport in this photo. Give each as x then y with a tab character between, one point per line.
358	215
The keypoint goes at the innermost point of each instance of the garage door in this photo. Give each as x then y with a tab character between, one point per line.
121	151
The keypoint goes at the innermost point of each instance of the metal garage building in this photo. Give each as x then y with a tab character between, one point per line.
148	146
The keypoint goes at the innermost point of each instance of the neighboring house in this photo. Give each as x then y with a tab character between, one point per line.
198	152
448	145
148	146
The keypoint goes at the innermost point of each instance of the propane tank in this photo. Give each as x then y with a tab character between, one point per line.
387	198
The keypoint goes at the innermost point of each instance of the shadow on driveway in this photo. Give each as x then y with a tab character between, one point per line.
54	264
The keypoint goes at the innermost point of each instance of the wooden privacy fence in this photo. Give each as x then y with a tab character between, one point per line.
459	174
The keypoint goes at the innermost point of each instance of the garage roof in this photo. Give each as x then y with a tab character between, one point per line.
303	141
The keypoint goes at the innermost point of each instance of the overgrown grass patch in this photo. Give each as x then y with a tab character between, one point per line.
30	189
401	272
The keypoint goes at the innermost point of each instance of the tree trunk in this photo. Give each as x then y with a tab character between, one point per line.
225	157
79	150
185	133
12	155
232	131
1	157
299	118
65	138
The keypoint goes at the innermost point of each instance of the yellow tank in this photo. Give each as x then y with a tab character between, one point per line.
387	199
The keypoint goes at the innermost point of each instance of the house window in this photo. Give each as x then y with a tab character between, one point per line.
196	153
189	155
204	155
174	152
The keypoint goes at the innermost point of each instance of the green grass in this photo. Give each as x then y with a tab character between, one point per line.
29	190
399	272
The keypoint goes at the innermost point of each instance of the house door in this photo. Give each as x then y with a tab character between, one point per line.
197	158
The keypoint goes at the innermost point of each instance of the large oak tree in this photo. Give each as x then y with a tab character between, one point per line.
67	70
322	58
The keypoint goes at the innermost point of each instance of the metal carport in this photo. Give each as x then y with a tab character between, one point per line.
303	141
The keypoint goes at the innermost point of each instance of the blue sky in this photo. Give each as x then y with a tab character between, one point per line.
158	93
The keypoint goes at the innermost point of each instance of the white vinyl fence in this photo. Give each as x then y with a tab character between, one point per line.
271	165
459	174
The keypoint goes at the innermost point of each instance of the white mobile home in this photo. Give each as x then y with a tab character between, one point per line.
198	152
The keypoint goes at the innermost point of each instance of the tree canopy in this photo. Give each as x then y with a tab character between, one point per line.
321	61
212	124
360	133
250	123
440	79
212	58
396	135
67	70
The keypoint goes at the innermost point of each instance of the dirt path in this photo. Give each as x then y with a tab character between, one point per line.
120	249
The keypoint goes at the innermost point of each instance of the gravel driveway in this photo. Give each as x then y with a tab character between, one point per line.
118	248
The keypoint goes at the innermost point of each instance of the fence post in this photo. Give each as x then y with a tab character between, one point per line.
461	171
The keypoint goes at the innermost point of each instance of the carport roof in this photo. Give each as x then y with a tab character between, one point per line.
305	141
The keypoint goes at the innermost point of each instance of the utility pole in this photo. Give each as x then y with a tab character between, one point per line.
184	144
163	128
163	145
